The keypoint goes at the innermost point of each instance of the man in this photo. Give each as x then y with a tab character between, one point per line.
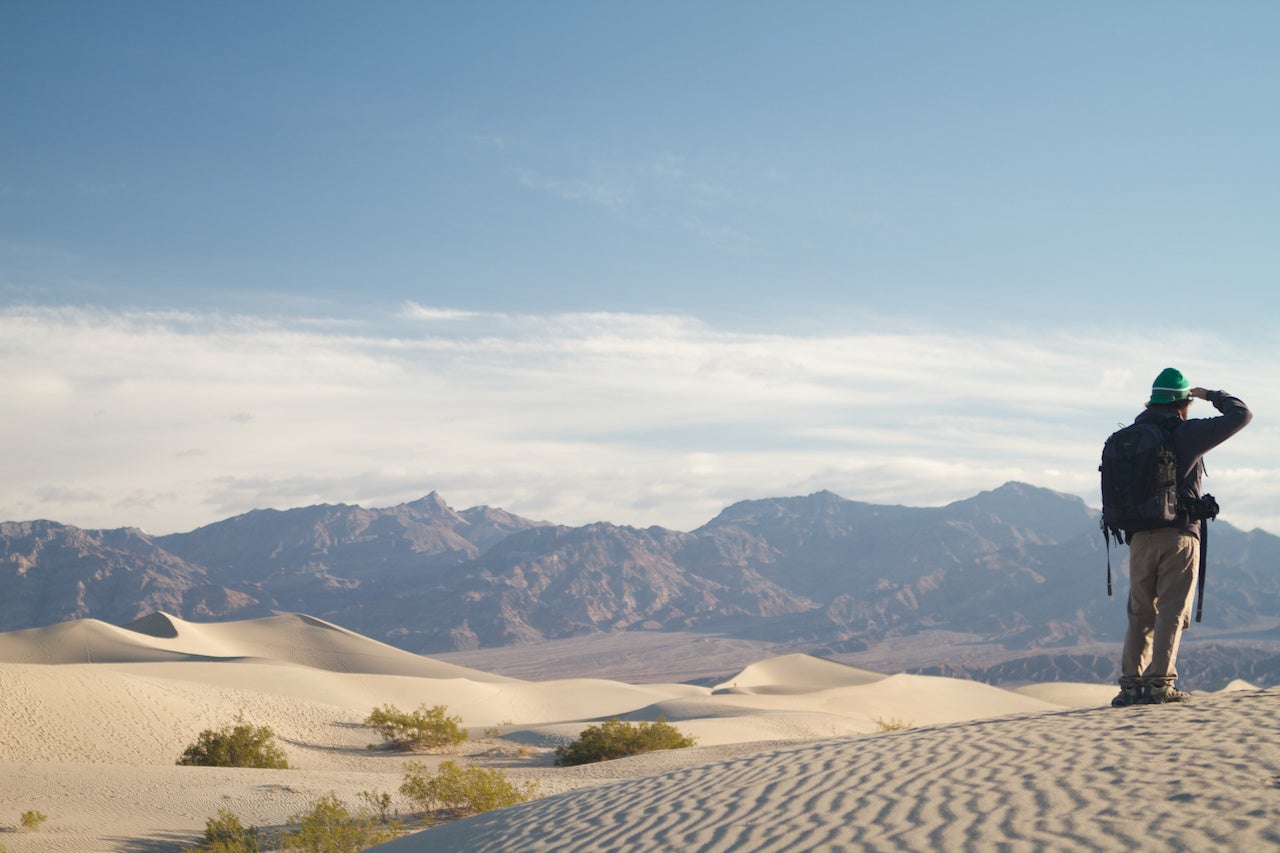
1163	563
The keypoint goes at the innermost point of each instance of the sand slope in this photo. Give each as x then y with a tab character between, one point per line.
94	716
292	638
1199	777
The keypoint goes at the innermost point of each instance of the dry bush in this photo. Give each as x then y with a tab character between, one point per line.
329	827
225	834
616	739
236	745
892	725
425	728
462	791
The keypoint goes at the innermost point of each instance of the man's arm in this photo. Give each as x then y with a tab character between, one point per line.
1210	432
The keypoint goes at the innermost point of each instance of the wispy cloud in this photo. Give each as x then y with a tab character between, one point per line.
720	235
637	419
599	190
489	140
414	311
651	191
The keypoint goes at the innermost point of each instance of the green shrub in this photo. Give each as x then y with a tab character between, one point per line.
379	801
225	834
31	820
462	791
238	745
330	828
425	728
616	739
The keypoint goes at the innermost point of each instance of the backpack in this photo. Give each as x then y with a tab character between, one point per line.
1139	482
1139	479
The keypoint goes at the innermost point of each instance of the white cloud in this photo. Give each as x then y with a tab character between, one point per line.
414	311
177	420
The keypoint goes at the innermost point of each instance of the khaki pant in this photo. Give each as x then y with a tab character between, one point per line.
1162	581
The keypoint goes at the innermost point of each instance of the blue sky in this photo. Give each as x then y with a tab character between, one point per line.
622	261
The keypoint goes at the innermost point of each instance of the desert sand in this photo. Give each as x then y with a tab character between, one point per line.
792	755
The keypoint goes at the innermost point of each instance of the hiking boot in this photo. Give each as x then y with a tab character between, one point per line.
1162	694
1130	694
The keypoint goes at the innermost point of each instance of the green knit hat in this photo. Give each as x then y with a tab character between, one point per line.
1170	387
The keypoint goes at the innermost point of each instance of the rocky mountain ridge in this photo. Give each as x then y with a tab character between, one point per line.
1019	566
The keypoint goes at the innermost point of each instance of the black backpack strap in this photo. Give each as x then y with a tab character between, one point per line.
1204	565
1106	538
1205	509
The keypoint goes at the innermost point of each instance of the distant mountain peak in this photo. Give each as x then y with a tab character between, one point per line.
1016	488
431	502
759	508
1014	493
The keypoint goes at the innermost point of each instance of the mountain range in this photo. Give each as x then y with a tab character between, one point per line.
1019	567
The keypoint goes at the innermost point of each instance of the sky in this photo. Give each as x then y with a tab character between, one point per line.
625	262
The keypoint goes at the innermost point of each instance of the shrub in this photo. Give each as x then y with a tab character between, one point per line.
31	820
616	739
425	728
225	834
330	828
238	745
893	725
379	801
462	791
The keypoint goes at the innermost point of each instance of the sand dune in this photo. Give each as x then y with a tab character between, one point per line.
796	674
292	638
1071	694
1201	777
791	752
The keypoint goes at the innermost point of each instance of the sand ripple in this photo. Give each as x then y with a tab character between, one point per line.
1196	777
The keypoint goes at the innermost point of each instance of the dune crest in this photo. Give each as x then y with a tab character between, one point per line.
1239	684
161	637
158	624
797	673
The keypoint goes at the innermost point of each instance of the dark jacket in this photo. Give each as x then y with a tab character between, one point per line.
1195	437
